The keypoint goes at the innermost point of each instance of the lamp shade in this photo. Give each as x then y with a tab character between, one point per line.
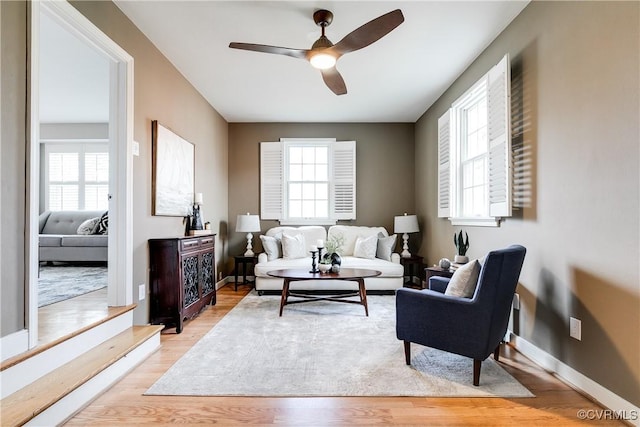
248	223
406	224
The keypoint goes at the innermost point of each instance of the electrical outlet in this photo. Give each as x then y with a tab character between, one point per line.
516	301
575	328
142	292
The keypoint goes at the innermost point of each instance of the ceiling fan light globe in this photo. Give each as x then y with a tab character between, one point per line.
322	61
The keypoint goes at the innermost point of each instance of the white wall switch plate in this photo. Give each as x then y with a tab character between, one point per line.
142	292
136	148
575	328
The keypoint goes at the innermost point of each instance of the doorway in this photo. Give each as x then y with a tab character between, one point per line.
113	117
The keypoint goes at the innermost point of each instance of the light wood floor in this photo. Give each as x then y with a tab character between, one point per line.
68	316
124	404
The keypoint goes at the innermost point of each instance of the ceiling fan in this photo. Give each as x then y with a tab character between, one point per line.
324	54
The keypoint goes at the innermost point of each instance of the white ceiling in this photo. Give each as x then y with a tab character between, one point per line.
393	80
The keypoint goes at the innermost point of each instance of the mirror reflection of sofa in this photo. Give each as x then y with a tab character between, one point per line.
73	236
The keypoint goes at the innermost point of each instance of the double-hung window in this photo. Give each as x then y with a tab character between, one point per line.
307	181
474	153
76	176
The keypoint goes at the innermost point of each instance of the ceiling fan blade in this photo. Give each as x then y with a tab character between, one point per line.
369	33
295	53
334	80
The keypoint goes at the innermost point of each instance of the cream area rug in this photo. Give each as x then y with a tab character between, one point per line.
322	349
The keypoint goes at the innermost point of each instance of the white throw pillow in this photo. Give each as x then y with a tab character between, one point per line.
88	226
464	280
293	246
366	247
272	247
385	246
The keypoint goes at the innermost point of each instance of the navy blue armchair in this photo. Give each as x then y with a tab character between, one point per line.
472	327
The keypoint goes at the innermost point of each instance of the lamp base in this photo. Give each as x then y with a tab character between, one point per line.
405	247
249	251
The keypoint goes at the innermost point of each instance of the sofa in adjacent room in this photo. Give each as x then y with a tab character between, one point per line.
353	253
73	236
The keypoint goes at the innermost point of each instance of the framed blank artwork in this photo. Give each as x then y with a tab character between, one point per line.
173	172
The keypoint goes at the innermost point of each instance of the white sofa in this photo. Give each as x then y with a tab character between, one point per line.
390	279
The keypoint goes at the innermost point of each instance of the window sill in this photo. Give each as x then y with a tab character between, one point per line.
477	222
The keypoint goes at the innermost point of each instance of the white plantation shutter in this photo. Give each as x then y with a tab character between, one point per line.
344	179
271	200
499	132
444	165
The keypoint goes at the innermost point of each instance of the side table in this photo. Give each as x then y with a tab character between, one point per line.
436	271
246	262
413	265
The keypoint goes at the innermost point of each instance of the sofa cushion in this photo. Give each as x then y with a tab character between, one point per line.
67	222
50	240
385	246
272	247
93	240
464	280
311	233
102	227
350	233
88	226
366	247
293	246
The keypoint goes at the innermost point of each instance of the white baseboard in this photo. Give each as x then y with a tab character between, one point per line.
223	282
14	344
577	380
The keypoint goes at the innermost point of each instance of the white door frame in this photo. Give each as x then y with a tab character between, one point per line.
120	154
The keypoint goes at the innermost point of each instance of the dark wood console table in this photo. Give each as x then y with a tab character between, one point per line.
182	279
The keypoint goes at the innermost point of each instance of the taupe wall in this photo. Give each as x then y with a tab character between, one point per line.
163	94
384	175
13	39
578	63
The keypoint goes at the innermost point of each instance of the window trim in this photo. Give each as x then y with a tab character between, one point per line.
496	83
308	142
273	180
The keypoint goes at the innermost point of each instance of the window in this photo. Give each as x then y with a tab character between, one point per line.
307	181
76	176
474	153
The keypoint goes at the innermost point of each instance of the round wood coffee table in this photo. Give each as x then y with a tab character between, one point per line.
294	275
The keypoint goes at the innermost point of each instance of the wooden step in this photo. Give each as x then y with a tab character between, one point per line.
36	398
113	312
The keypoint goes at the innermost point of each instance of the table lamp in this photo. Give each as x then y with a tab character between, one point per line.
248	224
405	224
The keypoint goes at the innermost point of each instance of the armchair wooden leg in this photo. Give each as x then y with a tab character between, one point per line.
407	352
477	364
496	353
